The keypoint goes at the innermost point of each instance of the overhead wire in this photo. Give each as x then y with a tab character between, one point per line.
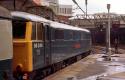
74	1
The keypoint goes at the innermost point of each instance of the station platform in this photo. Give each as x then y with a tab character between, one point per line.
94	67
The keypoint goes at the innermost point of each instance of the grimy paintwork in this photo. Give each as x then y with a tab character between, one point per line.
6	49
37	57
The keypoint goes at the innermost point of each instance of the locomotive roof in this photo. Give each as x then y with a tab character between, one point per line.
32	17
28	16
65	26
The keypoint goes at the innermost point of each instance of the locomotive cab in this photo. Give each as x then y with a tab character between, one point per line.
22	57
29	45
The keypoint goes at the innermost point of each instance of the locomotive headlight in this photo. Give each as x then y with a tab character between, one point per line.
19	67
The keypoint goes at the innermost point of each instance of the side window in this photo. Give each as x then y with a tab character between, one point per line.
47	33
88	36
82	35
19	29
34	31
59	34
79	35
68	34
37	31
76	35
52	34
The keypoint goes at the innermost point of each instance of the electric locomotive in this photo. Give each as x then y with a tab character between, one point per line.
6	47
42	46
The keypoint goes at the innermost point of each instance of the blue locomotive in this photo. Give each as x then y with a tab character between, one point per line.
42	47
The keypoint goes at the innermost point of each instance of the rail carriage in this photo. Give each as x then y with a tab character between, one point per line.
42	46
6	47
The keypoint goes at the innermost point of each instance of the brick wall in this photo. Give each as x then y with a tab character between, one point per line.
20	5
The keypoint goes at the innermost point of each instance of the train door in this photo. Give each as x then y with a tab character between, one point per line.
47	44
38	45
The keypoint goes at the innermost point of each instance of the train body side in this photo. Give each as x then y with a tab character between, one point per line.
74	43
38	44
35	51
6	48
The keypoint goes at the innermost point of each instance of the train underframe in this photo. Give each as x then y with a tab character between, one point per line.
44	72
